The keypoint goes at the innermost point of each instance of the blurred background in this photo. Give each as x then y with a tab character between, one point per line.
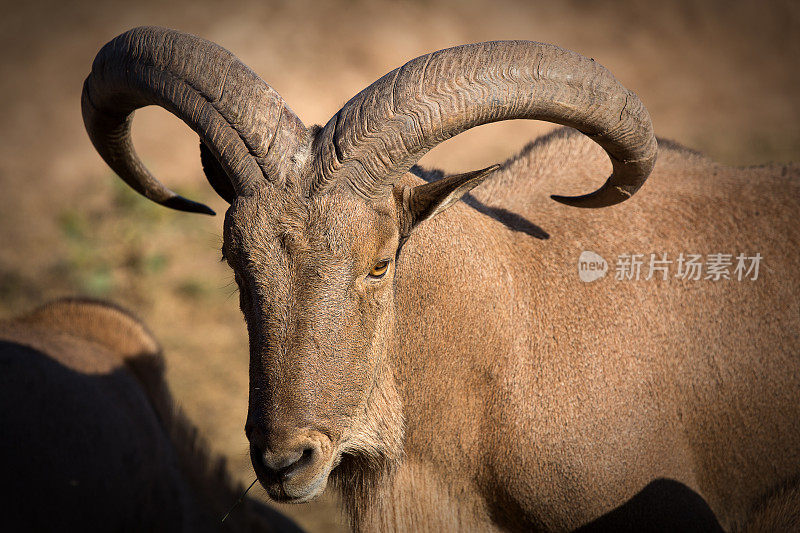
720	77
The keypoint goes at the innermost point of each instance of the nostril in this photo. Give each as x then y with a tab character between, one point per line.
289	463
305	458
307	453
281	461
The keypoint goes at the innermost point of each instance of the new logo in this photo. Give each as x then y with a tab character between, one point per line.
591	266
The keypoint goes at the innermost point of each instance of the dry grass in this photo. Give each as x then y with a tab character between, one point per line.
720	77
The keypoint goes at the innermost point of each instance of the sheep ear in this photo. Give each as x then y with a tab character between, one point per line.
215	175
423	202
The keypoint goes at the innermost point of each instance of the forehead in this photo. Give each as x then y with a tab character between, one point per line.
338	223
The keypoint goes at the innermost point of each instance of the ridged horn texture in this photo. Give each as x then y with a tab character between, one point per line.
242	120
386	128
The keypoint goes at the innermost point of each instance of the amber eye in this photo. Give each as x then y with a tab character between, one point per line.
379	269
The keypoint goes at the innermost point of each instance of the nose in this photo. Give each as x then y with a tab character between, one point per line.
291	465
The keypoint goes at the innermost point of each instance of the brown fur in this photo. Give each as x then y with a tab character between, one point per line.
481	385
74	368
778	511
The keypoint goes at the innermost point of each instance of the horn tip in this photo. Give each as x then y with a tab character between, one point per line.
184	204
611	193
600	198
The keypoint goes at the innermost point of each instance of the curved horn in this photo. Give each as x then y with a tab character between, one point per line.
242	120
386	128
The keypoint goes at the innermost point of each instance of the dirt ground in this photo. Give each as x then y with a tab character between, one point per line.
720	77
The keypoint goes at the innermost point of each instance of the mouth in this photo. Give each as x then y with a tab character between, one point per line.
287	486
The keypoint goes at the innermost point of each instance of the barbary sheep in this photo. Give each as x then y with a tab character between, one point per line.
444	363
92	440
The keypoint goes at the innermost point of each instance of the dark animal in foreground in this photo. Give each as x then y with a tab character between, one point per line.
91	440
441	361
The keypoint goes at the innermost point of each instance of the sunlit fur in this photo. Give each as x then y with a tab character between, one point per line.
482	386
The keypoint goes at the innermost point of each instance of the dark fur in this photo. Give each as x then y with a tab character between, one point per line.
92	440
